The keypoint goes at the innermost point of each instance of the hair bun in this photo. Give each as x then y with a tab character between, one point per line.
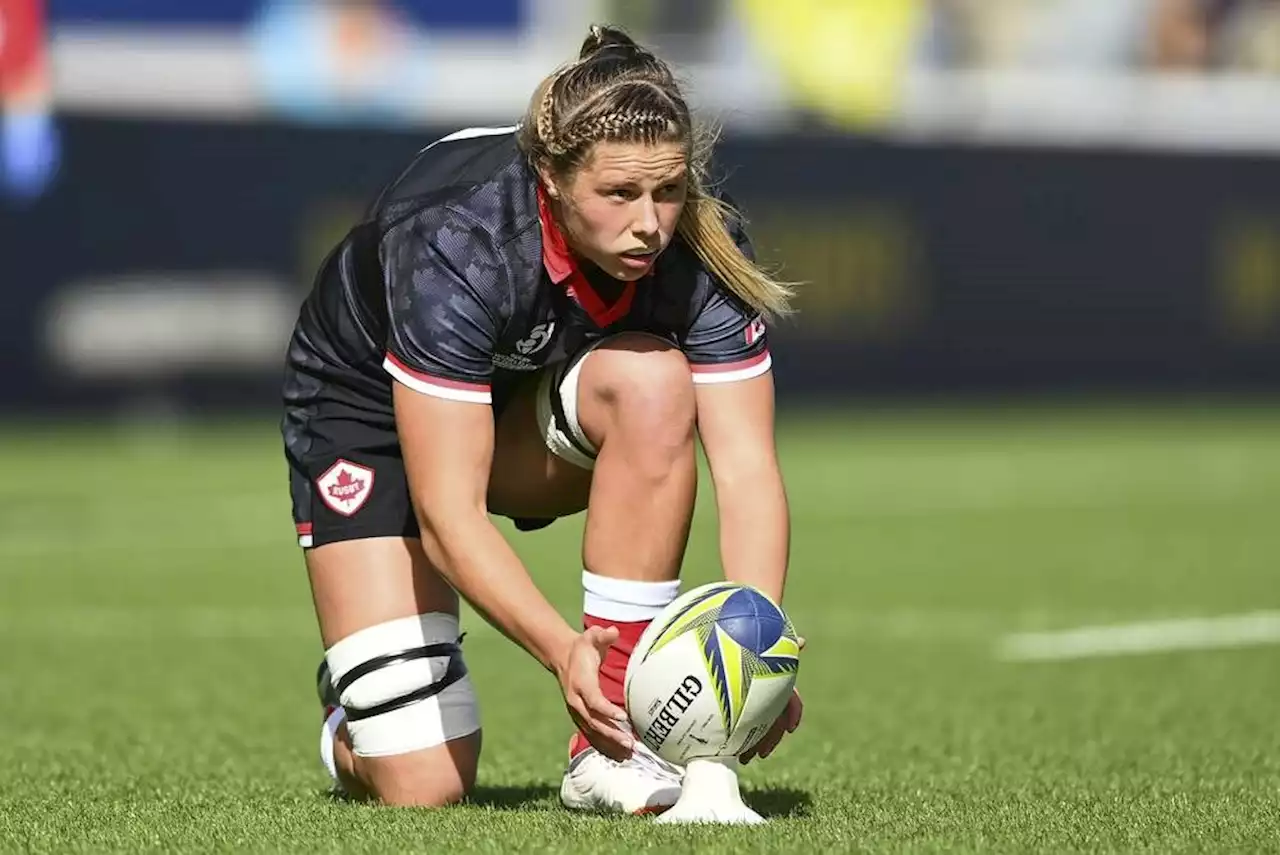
602	37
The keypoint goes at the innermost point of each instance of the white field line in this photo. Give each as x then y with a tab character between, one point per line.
297	621
895	626
1130	639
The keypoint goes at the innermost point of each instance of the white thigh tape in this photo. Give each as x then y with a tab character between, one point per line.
559	390
568	441
450	714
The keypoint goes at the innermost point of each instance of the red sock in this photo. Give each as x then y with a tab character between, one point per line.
630	606
613	669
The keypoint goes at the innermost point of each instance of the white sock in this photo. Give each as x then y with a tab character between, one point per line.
625	600
328	734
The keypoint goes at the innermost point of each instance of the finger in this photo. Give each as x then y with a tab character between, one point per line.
598	704
769	742
608	738
602	638
795	711
800	641
603	734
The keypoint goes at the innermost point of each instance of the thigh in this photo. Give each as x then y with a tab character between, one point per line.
544	457
527	479
356	584
354	516
346	478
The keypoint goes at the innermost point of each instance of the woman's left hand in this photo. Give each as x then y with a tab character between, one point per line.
785	723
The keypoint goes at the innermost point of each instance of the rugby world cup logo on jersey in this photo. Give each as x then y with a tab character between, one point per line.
537	339
345	486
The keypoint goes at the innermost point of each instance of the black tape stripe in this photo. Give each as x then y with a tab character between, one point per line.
456	670
445	648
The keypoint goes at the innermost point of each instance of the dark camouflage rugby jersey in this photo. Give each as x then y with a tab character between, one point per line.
459	284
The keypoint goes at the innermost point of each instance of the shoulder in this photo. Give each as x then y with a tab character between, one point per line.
471	187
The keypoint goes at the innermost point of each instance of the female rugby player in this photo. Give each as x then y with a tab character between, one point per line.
531	321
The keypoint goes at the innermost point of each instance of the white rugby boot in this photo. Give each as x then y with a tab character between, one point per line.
643	784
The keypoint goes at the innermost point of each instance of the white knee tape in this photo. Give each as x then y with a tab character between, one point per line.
448	714
329	733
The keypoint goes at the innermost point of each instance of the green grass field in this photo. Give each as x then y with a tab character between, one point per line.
159	649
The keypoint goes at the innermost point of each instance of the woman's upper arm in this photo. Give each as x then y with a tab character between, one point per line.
448	449
447	295
728	351
735	423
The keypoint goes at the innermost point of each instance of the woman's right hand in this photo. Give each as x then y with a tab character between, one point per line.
606	726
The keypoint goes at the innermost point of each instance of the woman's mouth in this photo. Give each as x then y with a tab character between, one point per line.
638	260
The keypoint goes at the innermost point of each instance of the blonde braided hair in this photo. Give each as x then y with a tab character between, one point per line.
618	91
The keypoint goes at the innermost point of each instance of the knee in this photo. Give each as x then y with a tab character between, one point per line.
420	794
411	734
437	778
643	389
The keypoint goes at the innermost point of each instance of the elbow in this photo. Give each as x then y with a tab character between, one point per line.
754	472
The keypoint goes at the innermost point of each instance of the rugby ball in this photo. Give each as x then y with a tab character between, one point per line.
712	673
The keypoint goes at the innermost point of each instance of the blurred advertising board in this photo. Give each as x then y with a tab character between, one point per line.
167	260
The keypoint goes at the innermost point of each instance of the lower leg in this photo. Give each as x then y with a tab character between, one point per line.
431	777
637	408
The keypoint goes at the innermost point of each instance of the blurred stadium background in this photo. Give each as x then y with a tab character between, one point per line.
1041	321
1009	195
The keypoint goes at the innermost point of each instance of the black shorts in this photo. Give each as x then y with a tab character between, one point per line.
347	478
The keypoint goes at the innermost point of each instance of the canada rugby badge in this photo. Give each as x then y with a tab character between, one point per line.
345	486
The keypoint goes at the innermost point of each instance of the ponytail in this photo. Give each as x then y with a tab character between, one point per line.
703	225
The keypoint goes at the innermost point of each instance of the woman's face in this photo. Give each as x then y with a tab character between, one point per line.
620	209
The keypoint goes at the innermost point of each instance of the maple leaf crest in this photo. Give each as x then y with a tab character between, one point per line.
346	487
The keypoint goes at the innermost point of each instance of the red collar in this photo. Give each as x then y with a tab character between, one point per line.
562	267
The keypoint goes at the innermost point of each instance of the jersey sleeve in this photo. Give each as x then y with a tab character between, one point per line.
726	340
448	294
